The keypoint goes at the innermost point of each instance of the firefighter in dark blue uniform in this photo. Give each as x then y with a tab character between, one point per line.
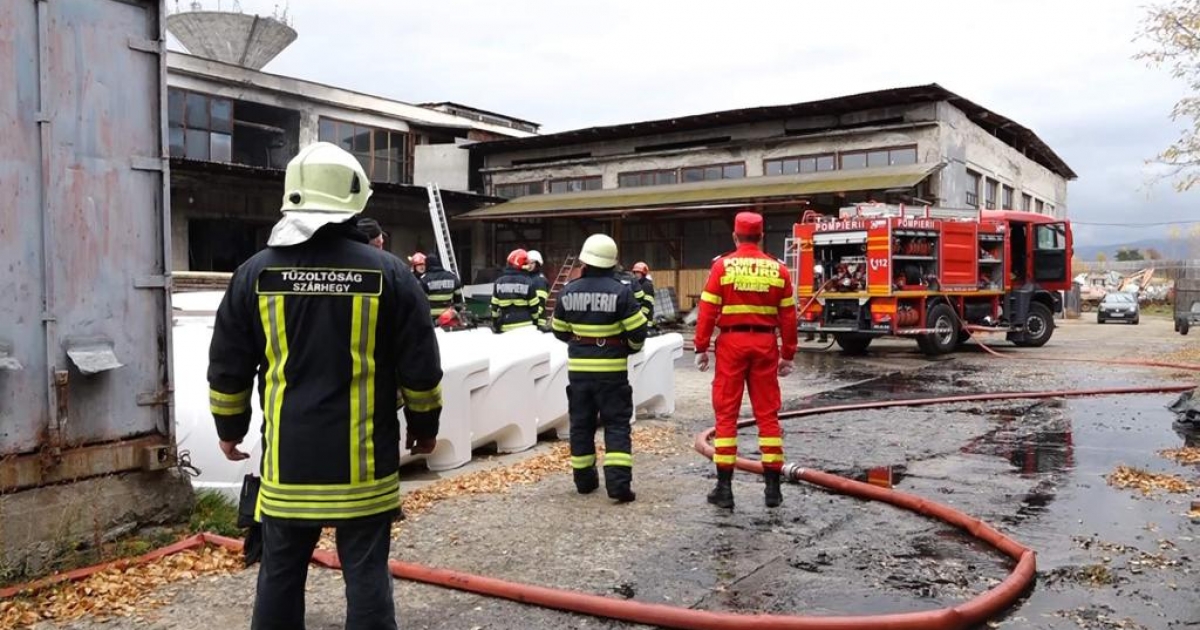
337	332
442	287
515	302
541	286
602	323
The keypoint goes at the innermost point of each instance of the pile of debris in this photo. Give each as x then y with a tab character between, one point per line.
1148	482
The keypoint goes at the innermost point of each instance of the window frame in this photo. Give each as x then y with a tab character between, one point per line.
972	194
1007	197
674	172
373	154
530	184
991	190
866	153
209	129
799	160
703	169
584	180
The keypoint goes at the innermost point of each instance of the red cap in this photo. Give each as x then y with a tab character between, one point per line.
748	224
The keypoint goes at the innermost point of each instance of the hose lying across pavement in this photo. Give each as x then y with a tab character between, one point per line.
965	615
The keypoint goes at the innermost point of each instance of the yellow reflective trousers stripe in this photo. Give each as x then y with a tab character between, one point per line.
770	441
624	460
583	461
725	442
270	311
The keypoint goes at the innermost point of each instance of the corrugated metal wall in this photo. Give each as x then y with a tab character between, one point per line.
85	317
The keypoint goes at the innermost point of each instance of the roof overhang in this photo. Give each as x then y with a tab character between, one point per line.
704	195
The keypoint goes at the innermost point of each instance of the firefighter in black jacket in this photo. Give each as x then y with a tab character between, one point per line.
602	323
334	329
442	287
641	271
515	302
541	286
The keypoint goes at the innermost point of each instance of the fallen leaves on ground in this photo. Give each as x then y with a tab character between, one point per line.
116	592
1147	482
655	440
1187	455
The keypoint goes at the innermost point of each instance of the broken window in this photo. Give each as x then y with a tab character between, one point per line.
200	126
384	154
519	189
575	184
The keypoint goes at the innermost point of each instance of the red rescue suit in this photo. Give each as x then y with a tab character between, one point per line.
749	296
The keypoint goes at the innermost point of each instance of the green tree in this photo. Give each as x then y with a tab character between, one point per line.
1172	30
1126	253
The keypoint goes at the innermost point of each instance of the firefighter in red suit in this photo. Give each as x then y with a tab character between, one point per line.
749	297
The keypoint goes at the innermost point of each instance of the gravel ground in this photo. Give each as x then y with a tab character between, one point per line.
1033	469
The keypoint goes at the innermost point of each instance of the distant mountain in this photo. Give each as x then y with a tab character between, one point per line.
1167	248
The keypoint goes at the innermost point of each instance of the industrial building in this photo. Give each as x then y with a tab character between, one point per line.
233	128
668	189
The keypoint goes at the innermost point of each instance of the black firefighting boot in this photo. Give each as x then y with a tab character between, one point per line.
586	480
773	493
722	495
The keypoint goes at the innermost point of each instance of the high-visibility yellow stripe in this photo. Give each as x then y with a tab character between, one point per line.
423	400
597	330
771	458
440	297
725	442
583	461
597	365
635	321
513	302
325	510
340	491
271	311
543	294
711	298
357	404
747	309
635	345
752	281
371	325
787	301
618	459
222	404
521	324
560	325
724	459
770	441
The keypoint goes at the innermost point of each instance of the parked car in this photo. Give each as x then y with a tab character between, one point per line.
1120	307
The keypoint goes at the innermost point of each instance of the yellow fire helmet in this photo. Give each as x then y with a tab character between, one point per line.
324	184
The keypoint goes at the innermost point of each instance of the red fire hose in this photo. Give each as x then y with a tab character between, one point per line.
965	615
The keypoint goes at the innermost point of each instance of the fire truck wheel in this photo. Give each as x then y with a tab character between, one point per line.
1039	326
853	344
944	323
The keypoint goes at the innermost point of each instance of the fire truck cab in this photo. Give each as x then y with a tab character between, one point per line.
937	275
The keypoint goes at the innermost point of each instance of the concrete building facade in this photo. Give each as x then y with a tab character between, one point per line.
233	129
669	188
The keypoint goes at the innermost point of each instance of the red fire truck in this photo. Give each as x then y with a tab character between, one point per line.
932	274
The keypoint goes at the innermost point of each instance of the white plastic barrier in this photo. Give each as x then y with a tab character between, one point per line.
552	389
652	374
464	374
503	389
506	412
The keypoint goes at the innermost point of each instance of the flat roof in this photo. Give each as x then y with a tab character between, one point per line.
191	65
1006	130
480	111
643	199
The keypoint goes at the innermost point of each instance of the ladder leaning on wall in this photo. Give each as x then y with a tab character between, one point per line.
441	228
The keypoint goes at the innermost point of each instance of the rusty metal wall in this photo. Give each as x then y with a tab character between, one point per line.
85	313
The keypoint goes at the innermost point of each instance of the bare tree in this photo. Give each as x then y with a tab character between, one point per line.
1173	31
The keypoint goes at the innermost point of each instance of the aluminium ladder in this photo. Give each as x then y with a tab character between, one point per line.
441	228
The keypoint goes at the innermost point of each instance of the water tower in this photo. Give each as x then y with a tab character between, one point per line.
251	41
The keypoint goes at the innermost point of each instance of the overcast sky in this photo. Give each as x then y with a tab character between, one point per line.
1060	67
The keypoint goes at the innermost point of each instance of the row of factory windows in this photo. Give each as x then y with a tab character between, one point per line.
848	160
1001	196
204	127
